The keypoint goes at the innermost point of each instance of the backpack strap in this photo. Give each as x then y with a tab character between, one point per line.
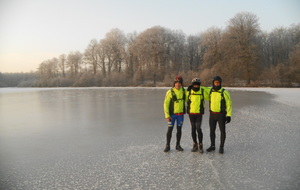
184	95
202	100
223	102
174	97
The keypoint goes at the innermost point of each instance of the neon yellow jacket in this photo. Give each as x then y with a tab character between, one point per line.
174	102
219	102
195	100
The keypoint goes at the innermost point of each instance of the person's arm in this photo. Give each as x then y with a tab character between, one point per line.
206	92
228	103
187	95
167	104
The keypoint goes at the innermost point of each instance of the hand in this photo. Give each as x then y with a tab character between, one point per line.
168	119
190	88
228	119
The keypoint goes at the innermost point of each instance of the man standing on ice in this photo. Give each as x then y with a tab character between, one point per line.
174	109
220	111
196	95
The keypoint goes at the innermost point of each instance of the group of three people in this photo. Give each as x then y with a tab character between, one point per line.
179	101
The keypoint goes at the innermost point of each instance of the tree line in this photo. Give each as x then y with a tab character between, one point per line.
242	54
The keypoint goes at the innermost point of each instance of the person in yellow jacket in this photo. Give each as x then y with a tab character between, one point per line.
196	95
220	112
174	110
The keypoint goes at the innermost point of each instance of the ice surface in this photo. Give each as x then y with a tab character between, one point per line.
113	138
289	96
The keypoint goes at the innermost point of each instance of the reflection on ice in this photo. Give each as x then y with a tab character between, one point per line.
113	138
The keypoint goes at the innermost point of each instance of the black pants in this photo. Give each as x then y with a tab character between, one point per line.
178	135
213	120
196	121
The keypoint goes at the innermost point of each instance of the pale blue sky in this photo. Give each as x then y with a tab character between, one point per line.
32	31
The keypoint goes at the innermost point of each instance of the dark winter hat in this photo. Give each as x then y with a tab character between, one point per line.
217	78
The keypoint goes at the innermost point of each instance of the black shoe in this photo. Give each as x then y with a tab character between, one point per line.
195	147
211	148
167	149
201	148
221	150
178	147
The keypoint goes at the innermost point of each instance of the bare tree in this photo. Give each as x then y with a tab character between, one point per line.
150	50
114	46
240	46
294	65
47	71
176	41
193	52
281	42
102	57
241	53
212	44
130	59
62	64
91	56
74	61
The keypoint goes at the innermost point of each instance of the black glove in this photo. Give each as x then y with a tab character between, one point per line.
228	119
190	88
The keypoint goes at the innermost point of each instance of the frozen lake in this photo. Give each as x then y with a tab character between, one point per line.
113	138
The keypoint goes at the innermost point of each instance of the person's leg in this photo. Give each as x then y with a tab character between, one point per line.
199	131
169	133
212	126
193	119
169	136
198	127
178	135
222	126
193	127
